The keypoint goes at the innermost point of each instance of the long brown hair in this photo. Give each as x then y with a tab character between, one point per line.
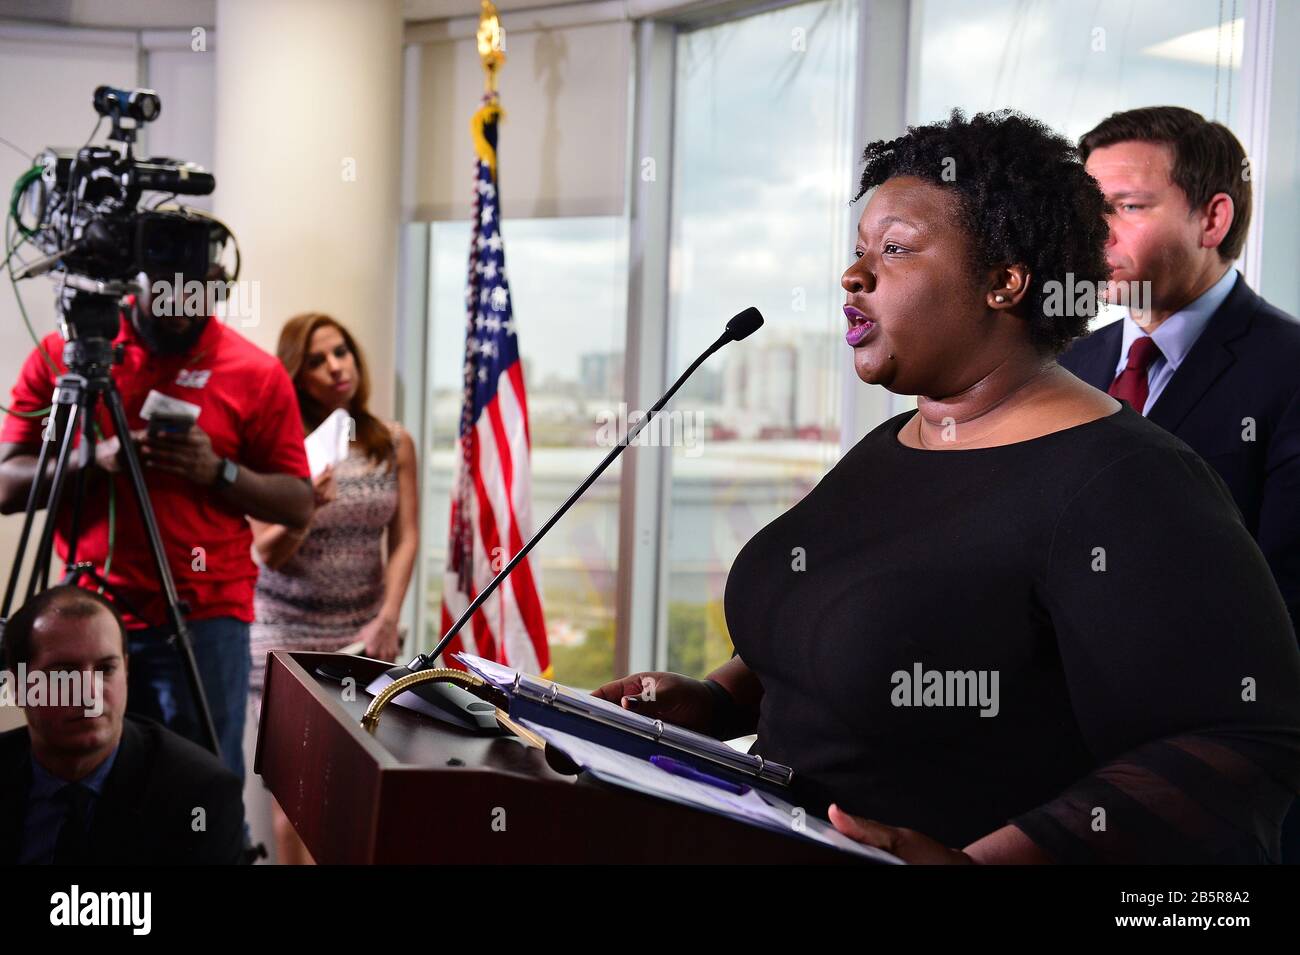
371	433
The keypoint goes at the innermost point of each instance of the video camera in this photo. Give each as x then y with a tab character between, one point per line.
81	208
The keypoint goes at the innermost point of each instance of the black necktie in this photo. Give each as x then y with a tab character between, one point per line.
74	839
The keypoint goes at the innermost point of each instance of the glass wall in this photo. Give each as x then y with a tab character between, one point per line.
763	169
1072	64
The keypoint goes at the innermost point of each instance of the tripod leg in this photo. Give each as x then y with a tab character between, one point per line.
164	572
45	549
87	451
33	505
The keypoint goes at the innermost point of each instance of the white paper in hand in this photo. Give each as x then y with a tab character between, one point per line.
156	403
328	444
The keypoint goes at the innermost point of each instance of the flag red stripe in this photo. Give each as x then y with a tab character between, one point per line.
521	580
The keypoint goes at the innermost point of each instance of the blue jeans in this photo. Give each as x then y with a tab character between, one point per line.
157	686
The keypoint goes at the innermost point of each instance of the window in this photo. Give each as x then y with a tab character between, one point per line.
568	283
763	170
1071	65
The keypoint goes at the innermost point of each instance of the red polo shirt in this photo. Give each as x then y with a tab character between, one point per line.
250	412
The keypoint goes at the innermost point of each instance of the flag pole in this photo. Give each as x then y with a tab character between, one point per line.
491	44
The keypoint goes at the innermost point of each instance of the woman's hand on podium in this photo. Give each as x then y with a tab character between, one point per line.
670	697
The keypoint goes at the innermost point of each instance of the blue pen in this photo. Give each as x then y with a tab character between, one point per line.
670	765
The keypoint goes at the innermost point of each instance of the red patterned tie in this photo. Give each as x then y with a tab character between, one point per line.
1131	384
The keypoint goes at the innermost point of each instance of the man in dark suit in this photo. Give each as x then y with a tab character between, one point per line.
81	784
1199	353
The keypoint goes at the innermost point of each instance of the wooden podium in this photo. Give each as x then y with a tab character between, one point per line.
422	791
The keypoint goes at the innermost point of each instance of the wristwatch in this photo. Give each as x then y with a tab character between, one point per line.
226	474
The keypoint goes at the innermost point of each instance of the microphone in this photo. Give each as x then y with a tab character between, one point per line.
740	327
455	704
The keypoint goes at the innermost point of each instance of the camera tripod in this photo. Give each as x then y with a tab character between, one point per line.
77	394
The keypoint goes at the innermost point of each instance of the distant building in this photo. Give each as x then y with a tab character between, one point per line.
600	374
781	388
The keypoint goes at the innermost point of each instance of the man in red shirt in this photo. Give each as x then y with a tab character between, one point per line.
243	456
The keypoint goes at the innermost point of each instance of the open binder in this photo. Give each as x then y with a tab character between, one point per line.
571	711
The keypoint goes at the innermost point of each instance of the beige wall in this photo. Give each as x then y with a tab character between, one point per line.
309	157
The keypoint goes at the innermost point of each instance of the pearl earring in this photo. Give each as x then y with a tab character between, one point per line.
999	298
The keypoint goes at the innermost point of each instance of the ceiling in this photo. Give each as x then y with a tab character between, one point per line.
177	14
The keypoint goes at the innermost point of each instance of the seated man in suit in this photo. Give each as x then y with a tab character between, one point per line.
1205	357
82	783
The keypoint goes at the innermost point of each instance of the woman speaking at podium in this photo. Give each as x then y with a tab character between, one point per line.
1029	625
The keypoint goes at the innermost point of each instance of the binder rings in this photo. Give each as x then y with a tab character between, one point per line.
579	714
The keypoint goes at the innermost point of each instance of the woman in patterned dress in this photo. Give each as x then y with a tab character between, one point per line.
329	585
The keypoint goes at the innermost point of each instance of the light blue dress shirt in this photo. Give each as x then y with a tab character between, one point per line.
1175	336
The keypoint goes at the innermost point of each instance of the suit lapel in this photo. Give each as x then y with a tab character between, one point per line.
1095	363
1209	358
115	830
15	783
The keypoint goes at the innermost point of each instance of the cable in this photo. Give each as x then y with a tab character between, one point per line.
20	186
18	149
22	309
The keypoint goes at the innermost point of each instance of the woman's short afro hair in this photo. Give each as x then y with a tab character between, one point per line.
1024	198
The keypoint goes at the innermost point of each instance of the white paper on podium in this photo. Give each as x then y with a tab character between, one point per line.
328	444
497	674
761	809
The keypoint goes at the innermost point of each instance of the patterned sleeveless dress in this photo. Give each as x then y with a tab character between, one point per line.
334	585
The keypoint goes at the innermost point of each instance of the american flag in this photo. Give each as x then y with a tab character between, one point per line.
490	508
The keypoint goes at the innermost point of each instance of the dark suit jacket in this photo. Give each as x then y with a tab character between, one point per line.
145	814
1245	365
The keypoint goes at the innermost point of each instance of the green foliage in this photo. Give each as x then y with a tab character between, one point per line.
588	664
698	641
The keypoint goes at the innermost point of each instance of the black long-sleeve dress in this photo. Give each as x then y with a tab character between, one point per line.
1140	675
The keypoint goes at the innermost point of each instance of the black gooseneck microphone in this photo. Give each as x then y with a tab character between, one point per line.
453	703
